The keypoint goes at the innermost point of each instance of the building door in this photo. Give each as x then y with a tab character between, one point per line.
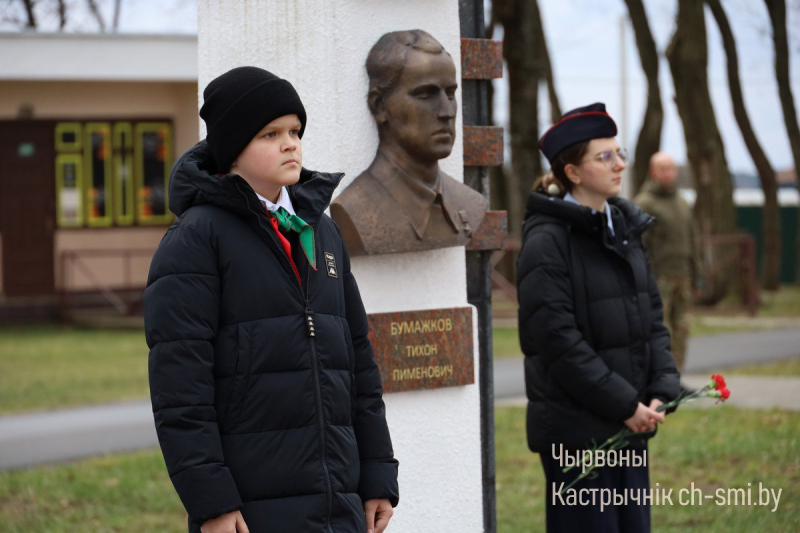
27	207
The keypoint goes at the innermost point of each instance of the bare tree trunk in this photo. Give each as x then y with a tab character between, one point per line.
525	52
96	12
497	177
524	75
771	275
649	140
777	16
62	15
117	7
31	24
542	56
714	211
498	181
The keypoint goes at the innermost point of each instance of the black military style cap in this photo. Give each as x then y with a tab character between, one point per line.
580	124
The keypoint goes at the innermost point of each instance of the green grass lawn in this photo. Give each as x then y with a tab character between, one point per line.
120	494
784	367
779	309
780	303
505	340
46	367
723	447
505	343
699	328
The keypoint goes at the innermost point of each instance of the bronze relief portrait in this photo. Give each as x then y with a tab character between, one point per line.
403	202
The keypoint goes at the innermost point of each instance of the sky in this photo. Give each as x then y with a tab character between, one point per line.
136	16
584	38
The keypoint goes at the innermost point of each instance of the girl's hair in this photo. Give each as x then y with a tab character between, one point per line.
544	181
569	155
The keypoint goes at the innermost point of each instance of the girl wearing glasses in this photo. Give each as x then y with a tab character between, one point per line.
597	354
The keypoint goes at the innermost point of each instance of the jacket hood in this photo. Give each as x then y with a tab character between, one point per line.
542	209
194	181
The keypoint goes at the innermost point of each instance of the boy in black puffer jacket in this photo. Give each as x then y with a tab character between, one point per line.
266	396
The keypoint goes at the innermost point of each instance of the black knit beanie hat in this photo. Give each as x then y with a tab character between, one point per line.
237	104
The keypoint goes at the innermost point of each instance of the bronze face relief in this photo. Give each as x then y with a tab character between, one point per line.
403	202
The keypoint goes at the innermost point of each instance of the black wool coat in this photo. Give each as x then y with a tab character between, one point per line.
265	392
590	322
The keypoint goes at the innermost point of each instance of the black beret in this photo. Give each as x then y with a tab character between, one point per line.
581	124
237	104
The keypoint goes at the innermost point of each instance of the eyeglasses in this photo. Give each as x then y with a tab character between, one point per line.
609	157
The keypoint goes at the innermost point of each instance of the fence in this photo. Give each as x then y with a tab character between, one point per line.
125	297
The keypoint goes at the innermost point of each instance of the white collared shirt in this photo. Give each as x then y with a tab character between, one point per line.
283	201
607	208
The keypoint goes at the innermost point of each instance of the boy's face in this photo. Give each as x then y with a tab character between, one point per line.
273	158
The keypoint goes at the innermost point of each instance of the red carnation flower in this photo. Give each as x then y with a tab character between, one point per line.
714	388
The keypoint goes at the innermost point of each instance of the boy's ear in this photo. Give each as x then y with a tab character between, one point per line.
375	102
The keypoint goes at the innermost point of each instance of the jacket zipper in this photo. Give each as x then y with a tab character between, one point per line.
320	420
318	393
317	389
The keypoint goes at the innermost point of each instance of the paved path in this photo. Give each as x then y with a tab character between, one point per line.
706	354
68	434
64	435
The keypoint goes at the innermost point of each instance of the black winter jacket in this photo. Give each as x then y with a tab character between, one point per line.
266	394
590	322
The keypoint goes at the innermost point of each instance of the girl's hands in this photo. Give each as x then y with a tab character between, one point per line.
645	418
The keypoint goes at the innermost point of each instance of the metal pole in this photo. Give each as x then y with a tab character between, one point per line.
623	45
475	111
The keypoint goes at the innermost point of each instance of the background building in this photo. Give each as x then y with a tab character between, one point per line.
89	128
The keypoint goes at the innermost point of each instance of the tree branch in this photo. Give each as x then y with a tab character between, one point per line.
96	12
117	7
771	215
29	4
62	14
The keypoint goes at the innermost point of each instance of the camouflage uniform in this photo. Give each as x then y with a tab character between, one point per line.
673	258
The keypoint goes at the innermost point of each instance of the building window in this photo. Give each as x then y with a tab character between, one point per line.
68	137
123	174
153	144
97	173
113	173
69	175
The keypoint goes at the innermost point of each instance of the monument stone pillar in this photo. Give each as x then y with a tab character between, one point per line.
321	46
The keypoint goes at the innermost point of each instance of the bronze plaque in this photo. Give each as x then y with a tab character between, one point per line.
423	349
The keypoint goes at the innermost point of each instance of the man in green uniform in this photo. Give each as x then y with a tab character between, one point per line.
671	248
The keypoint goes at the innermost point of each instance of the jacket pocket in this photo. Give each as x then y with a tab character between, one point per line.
240	380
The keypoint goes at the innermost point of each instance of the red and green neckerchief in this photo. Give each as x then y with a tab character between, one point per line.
289	222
